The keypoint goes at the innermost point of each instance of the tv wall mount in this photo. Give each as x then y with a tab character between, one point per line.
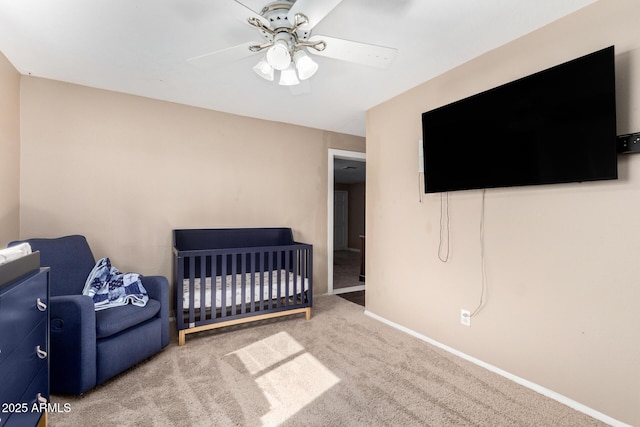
629	143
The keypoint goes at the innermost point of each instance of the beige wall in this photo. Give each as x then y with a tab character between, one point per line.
125	170
563	277
9	152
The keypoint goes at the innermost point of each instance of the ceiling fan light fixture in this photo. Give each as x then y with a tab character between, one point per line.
288	76
264	70
305	66
278	55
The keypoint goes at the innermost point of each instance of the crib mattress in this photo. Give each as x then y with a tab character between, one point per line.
299	282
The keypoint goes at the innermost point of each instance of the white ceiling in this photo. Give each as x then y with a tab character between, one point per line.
141	47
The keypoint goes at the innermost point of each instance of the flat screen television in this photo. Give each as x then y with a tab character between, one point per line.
554	126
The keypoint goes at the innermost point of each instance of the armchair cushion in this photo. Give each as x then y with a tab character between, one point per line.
158	289
113	320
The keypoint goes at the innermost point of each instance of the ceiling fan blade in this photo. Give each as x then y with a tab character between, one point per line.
359	53
223	56
241	11
252	8
315	10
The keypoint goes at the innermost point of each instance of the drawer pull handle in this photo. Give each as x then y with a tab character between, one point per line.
41	306
41	398
41	353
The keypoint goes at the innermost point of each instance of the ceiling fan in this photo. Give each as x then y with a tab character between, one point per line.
285	28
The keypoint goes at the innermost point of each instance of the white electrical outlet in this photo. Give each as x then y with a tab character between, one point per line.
465	317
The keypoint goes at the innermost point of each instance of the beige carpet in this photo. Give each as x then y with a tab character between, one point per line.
341	368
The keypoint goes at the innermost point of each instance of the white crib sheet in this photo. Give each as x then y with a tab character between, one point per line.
257	298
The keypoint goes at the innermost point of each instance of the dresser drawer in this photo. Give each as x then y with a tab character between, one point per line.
22	307
28	358
36	393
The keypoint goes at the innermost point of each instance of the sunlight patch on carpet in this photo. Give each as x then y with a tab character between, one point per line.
289	377
268	352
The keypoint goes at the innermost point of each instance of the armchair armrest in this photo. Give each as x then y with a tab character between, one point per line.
73	343
157	288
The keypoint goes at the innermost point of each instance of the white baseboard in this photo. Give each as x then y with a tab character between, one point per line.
337	291
526	383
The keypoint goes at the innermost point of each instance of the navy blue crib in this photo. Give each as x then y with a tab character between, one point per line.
227	276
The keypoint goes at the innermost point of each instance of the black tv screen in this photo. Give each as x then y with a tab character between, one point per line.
555	126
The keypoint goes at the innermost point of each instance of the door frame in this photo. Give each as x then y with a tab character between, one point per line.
333	155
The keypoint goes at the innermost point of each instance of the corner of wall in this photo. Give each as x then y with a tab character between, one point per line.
10	149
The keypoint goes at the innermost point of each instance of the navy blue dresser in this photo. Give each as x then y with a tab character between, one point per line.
24	350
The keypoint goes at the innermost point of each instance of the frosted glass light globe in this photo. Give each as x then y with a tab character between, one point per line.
278	55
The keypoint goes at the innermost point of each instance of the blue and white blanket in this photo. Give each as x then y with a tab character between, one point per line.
110	288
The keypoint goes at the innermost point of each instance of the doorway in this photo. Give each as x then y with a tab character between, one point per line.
340	219
346	217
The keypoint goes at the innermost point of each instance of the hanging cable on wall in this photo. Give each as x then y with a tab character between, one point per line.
444	227
420	171
483	269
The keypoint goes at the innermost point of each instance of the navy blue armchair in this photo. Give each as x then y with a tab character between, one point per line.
88	347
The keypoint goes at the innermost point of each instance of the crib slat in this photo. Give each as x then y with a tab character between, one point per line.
270	275
243	283
286	276
214	269
203	287
279	276
295	277
192	267
263	257
234	272
246	266
178	265
223	285
309	275
307	272
252	306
